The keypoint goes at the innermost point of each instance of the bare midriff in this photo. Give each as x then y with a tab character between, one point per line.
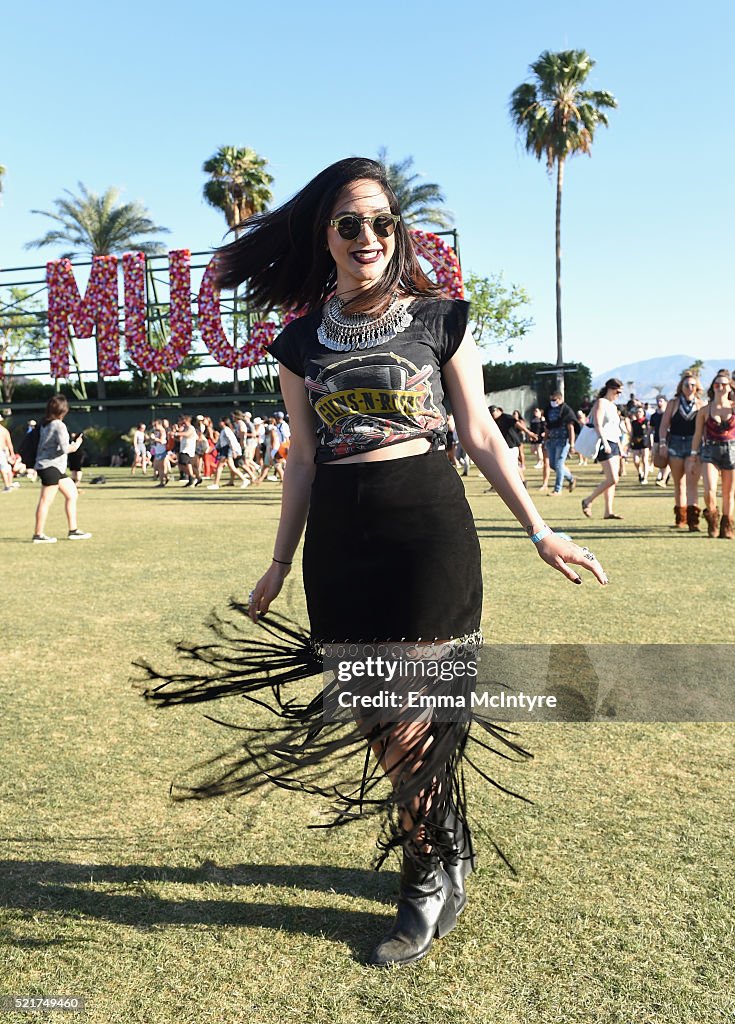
402	450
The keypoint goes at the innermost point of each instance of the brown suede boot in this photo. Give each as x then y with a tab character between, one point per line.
680	516
726	530
713	521
692	514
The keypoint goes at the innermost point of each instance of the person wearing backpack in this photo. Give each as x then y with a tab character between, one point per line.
51	461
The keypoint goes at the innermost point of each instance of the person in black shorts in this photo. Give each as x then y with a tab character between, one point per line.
640	443
54	447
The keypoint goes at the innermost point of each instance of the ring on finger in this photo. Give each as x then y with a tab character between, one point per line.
589	555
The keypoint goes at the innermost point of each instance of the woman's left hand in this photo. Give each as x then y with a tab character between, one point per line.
560	553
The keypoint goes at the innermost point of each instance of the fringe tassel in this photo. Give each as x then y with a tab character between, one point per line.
307	751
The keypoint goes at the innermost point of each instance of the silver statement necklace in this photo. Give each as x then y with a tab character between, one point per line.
342	332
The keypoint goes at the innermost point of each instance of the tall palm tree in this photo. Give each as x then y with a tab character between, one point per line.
419	203
99	225
239	184
556	118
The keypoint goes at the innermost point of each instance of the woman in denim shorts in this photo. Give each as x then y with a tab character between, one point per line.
676	437
605	418
714	443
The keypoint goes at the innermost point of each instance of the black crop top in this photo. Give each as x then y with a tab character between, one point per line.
375	397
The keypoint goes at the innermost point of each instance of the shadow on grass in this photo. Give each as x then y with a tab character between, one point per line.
586	526
8	938
55	887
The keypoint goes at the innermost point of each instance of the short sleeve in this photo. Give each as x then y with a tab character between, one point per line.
448	325
288	347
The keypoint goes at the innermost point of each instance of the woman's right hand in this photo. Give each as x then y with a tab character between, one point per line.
267	589
606	448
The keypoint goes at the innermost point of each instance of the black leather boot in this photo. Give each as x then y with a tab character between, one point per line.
462	859
425	910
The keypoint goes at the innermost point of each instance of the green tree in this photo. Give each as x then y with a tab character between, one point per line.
97	225
695	369
499	376
420	204
238	185
2	175
556	118
22	334
494	319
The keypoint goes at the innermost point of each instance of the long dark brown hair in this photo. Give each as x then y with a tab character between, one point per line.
284	259
56	408
711	388
613	383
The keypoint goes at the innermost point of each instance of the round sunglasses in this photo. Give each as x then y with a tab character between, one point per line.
349	225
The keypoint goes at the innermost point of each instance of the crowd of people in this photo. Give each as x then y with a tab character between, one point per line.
687	441
252	449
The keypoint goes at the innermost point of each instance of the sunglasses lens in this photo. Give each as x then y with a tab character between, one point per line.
348	227
384	226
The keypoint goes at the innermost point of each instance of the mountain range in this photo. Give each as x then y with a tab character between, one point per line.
651	377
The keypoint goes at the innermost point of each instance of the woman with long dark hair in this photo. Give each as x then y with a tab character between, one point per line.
391	554
54	447
605	418
714	445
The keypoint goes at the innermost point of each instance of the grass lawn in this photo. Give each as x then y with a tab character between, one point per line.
231	910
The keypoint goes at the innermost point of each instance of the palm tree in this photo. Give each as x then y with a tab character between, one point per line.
99	225
557	118
419	204
239	184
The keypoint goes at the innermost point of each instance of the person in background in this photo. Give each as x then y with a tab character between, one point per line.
54	446
526	435
201	447
7	457
251	439
159	450
640	443
624	439
140	452
512	431
604	417
656	416
75	461
676	439
30	471
581	422
187	439
714	444
538	427
560	436
228	449
284	431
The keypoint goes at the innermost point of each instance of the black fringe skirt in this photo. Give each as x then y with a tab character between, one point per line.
391	569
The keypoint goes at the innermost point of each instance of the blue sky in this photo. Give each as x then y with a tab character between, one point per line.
139	95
